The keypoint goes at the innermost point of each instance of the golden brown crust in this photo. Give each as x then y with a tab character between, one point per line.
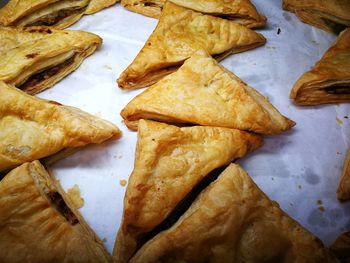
35	58
330	15
33	128
343	191
341	247
203	92
234	221
329	80
55	13
169	162
179	33
39	224
239	11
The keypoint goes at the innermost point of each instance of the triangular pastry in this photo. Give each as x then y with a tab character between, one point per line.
179	33
232	220
239	11
35	58
33	128
58	14
39	223
341	247
203	92
330	15
170	162
329	80
343	191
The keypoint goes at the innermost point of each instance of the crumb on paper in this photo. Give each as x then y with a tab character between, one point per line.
120	156
299	186
108	67
74	195
339	121
338	153
278	31
319	202
315	42
291	204
104	240
98	114
272	178
346	117
321	208
122	182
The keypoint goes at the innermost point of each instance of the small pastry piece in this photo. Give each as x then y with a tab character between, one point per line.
39	223
170	162
329	15
35	58
55	13
239	11
204	92
329	80
341	247
343	191
33	128
232	220
179	33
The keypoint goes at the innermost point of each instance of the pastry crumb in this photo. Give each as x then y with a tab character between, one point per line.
346	117
74	195
278	31
319	202
122	182
108	67
104	240
299	186
339	121
322	209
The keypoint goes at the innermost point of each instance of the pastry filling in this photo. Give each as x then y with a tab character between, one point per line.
39	77
182	207
55	17
61	206
338	89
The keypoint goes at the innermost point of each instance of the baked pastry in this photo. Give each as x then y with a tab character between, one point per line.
343	191
55	13
232	220
341	247
170	162
33	128
35	58
203	92
40	224
239	11
329	15
329	80
179	33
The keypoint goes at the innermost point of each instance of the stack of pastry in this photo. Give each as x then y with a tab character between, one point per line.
185	202
38	221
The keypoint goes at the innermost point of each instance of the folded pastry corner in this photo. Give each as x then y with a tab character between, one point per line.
329	80
341	247
232	220
343	191
329	15
39	223
170	161
239	11
203	92
33	128
53	13
179	33
35	58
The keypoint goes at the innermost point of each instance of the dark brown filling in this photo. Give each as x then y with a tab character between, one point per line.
182	207
45	74
150	4
54	18
61	206
338	89
336	27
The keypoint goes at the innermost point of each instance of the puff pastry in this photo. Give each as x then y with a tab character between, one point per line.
234	221
329	80
239	11
341	247
179	33
33	128
38	223
35	58
343	191
55	13
330	15
203	92
170	162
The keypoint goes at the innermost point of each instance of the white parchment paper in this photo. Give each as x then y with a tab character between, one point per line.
299	169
